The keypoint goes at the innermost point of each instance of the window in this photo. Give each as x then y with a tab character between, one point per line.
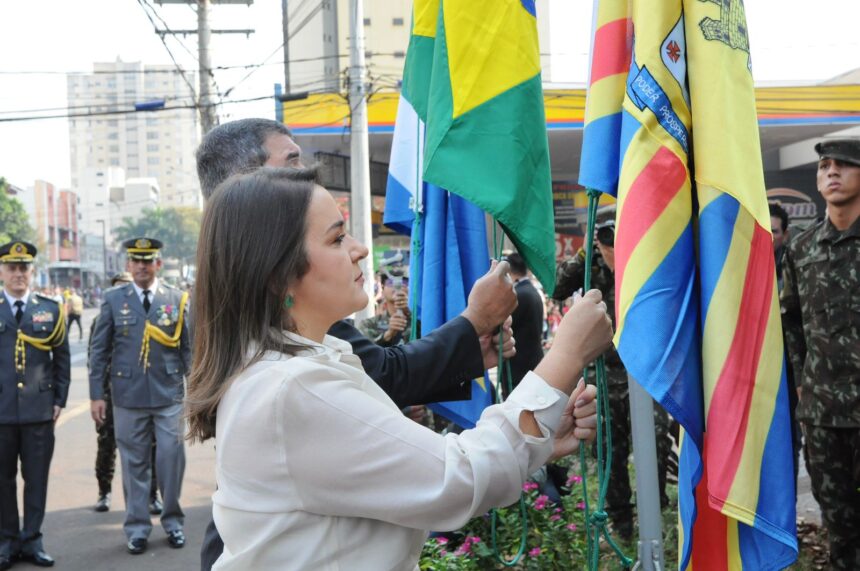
151	135
113	123
113	148
367	21
114	162
113	136
397	21
399	54
152	160
152	148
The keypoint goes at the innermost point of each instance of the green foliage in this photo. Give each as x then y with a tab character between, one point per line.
178	228
14	222
556	537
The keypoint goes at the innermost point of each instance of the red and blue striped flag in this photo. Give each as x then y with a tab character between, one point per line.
698	317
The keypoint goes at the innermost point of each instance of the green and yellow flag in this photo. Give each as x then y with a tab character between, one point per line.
486	131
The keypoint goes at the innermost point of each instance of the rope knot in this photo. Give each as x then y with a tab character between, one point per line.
599	518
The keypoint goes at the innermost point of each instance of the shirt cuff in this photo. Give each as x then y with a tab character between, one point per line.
547	403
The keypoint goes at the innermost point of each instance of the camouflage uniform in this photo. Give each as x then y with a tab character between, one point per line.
821	319
570	277
106	451
375	327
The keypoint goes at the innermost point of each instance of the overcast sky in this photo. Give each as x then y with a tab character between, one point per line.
792	41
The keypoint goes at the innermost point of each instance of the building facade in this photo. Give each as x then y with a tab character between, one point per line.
157	144
54	215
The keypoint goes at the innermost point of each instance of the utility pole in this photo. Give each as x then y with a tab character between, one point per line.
207	110
286	25
205	104
359	146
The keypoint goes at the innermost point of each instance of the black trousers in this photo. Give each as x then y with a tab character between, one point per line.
33	444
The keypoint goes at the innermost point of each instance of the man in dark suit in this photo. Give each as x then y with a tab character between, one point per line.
437	367
527	323
34	382
142	333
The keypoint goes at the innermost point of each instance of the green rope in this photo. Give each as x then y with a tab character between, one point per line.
596	521
504	370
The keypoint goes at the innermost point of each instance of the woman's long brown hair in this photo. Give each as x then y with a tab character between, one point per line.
251	249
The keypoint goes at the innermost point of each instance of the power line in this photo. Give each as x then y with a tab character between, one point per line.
169	52
195	106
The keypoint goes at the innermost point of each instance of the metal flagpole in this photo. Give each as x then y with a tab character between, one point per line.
650	556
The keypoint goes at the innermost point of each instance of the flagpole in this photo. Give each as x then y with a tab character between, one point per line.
360	204
650	555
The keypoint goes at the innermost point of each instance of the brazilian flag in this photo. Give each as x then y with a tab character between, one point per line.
486	134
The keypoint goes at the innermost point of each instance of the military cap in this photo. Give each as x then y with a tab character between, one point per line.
121	277
142	248
847	150
18	252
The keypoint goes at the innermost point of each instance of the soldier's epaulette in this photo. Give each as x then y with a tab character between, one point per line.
804	234
114	290
47	298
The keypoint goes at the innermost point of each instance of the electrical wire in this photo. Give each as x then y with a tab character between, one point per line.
143	5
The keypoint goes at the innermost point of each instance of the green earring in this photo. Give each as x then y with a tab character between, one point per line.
288	301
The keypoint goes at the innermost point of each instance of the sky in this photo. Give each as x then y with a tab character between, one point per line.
792	41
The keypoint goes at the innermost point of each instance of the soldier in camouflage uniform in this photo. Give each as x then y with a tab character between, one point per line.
570	277
106	450
393	325
821	317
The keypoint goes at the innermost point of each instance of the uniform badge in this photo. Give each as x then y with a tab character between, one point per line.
124	309
166	315
43	317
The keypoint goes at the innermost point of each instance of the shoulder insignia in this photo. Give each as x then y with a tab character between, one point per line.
44	297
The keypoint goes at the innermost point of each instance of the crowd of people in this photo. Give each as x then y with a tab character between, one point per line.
319	461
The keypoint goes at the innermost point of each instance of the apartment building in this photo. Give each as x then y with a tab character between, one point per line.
153	144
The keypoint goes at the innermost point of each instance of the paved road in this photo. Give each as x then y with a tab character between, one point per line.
83	540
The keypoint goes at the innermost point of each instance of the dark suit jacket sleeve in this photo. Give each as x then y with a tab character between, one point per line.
100	348
62	365
434	368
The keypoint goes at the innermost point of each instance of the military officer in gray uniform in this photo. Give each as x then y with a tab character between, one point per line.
142	333
34	383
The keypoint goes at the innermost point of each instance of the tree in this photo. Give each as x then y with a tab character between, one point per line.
14	222
178	228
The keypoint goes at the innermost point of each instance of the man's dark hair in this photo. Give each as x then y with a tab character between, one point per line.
232	148
518	265
777	211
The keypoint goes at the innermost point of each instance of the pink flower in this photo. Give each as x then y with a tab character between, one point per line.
581	505
557	510
540	502
441	540
443	553
529	486
535	552
555	517
465	548
571	527
575	479
473	539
